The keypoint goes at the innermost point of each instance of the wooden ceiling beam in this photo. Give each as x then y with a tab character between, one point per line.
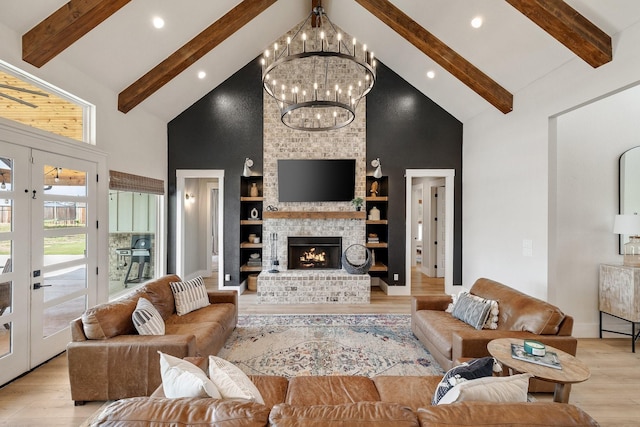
570	28
64	27
191	52
446	57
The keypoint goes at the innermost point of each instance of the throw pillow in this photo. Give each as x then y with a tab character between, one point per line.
471	311
231	382
490	389
476	368
147	319
184	379
190	295
492	318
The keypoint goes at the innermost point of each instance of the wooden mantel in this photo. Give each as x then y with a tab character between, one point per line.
314	215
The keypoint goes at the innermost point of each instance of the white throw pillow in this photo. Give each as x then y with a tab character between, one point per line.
232	383
147	319
184	379
190	295
490	389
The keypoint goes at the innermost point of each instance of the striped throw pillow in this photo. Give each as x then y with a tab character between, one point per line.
190	295
147	319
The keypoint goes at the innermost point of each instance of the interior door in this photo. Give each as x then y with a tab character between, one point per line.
441	232
64	244
14	260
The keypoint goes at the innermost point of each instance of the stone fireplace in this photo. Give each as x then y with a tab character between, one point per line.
314	252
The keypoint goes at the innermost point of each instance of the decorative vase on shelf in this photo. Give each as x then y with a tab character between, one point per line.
374	214
254	213
253	191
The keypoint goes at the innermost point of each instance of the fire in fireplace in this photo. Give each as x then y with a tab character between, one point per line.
311	252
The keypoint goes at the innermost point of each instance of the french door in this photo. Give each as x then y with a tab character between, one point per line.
48	246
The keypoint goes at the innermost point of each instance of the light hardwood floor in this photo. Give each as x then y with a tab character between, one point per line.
611	395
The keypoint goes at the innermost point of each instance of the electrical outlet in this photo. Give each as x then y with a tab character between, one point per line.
396	276
227	277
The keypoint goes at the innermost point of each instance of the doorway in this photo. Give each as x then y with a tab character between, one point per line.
48	249
199	224
429	226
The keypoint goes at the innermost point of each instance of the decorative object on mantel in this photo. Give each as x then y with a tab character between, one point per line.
629	225
246	170
353	267
316	78
357	202
378	172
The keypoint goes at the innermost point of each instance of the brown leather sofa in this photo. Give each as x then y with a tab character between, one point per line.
335	401
450	340
109	360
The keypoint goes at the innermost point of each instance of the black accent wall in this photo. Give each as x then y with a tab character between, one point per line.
405	129
219	132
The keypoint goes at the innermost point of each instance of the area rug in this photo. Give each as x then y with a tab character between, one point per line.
292	345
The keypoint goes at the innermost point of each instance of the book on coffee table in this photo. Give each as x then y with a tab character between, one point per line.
550	358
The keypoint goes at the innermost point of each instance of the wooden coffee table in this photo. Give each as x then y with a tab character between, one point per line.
573	370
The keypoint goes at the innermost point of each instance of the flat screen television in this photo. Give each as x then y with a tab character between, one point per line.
316	180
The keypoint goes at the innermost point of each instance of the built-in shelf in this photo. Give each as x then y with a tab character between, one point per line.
314	215
378	267
377	245
250	245
250	269
377	199
250	222
251	199
377	221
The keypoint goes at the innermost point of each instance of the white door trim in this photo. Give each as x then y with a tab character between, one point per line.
448	175
181	176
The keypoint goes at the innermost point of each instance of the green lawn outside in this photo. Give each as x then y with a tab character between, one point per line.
67	245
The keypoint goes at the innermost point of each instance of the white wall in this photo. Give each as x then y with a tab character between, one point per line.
135	142
513	193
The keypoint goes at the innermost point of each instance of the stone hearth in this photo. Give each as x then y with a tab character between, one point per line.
313	287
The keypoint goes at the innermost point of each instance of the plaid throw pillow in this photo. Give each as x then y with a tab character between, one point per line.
190	295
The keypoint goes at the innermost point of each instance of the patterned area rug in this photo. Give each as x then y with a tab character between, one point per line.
291	345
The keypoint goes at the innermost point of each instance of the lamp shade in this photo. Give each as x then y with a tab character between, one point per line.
627	224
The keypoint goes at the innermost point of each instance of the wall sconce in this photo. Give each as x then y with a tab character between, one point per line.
629	225
189	197
246	171
376	164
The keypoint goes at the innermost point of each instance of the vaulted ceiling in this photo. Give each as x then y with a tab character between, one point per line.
475	69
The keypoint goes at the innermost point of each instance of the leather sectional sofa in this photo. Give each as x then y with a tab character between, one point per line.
451	341
328	401
109	360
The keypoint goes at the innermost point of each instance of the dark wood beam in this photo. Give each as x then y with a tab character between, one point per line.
435	49
569	27
314	4
64	27
188	54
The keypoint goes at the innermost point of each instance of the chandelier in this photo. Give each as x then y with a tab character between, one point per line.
316	77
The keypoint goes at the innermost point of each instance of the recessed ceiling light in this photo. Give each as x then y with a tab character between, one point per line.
431	74
202	74
158	22
476	22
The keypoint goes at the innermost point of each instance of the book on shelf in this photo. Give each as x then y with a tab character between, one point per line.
550	358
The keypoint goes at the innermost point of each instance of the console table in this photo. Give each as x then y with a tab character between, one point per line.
619	296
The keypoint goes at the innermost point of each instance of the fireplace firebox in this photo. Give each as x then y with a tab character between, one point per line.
314	252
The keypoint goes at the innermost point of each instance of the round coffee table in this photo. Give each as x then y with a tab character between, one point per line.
573	370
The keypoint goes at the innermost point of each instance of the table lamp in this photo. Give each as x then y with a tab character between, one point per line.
629	225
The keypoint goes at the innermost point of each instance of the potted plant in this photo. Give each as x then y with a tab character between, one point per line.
357	202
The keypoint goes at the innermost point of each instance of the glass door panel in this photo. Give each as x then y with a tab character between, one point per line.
63	244
14	260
